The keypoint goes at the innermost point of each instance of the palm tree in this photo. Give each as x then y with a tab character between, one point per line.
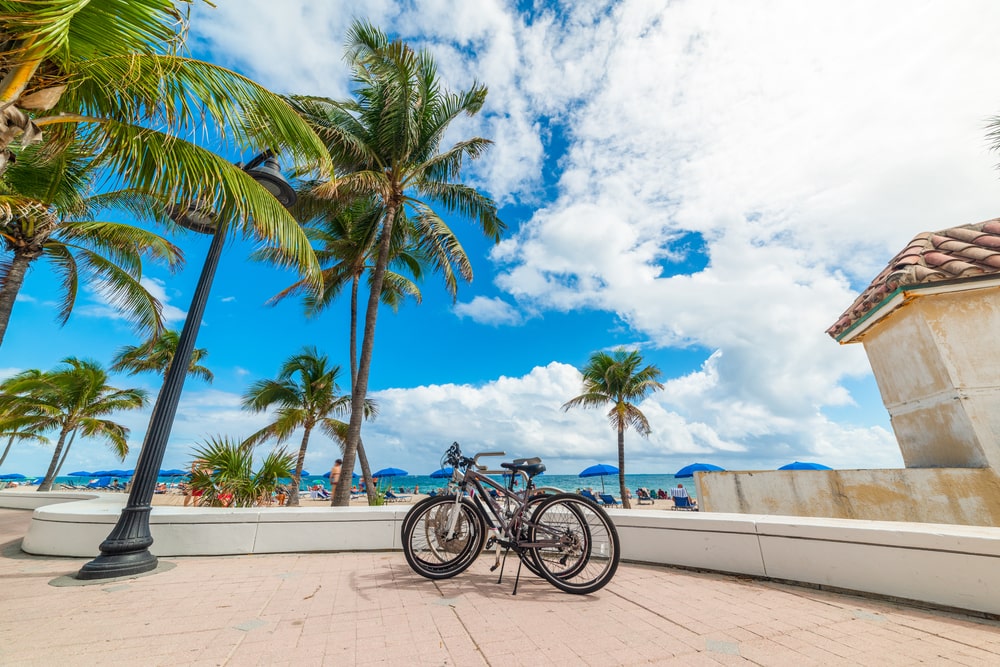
617	379
226	477
19	424
307	396
112	76
51	216
70	399
386	142
346	235
155	355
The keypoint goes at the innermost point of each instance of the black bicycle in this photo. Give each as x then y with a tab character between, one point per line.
562	537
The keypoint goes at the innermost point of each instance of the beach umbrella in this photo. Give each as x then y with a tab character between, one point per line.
390	472
599	470
80	473
354	475
12	476
442	473
804	465
690	470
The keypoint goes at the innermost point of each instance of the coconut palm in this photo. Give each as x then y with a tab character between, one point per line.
618	379
155	355
18	424
386	141
112	75
51	215
307	396
70	399
226	477
345	236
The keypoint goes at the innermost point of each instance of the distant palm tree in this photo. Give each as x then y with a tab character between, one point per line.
307	397
386	142
226	477
70	399
50	211
617	379
19	424
156	355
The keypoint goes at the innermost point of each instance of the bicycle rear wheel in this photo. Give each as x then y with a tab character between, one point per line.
577	545
426	543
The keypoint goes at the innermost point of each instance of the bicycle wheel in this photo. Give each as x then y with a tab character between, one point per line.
426	543
577	548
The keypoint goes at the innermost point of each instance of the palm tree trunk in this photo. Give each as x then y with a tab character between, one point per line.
6	450
359	388
69	444
11	286
621	465
46	484
366	471
293	493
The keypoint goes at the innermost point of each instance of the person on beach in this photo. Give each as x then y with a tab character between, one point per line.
335	476
192	495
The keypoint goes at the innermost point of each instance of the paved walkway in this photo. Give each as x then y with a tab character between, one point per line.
369	608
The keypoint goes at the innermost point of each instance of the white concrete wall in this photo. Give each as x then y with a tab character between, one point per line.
963	496
954	566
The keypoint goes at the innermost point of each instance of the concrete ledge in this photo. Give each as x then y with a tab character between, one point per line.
947	565
29	500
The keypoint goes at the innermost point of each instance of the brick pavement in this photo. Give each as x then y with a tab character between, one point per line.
369	608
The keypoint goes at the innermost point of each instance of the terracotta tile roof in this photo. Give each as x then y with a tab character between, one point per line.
960	252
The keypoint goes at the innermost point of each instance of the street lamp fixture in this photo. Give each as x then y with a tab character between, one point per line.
125	552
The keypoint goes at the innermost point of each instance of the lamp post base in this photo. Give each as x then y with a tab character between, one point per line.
118	565
126	551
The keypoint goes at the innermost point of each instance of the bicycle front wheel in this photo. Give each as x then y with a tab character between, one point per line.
575	544
442	538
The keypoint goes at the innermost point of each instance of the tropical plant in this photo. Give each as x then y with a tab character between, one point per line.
155	355
18	424
112	75
49	212
74	398
386	142
307	396
226	477
345	234
618	379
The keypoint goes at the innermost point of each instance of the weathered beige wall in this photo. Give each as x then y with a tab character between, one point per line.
963	496
939	376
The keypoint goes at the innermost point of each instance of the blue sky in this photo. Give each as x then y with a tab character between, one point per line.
711	182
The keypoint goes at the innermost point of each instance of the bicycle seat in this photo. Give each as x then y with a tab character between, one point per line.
529	467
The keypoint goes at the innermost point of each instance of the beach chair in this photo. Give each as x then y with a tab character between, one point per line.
100	483
643	497
683	503
590	496
393	498
609	500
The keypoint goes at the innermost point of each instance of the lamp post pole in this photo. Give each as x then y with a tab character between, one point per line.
125	552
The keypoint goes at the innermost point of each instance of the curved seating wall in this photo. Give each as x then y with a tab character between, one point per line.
953	566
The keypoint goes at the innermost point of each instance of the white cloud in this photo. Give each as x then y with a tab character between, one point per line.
100	306
484	310
228	299
24	298
805	143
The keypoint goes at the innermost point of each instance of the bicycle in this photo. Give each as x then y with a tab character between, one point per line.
562	537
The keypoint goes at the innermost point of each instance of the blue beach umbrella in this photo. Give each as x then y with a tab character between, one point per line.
599	470
12	476
804	465
442	473
390	472
690	470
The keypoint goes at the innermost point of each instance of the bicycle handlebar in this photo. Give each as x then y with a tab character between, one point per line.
475	459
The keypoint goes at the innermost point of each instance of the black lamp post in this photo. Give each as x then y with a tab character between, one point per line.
125	552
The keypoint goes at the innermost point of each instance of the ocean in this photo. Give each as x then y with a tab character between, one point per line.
425	483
